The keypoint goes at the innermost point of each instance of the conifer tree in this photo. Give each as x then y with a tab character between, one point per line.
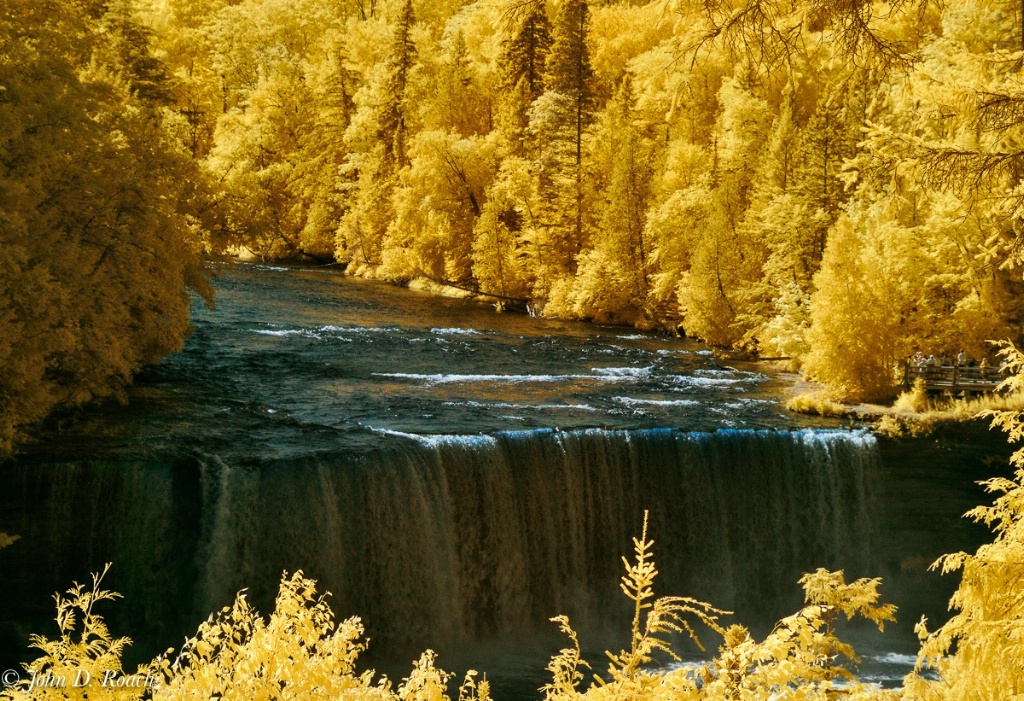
377	141
559	118
524	52
394	111
131	43
316	180
568	69
504	235
613	281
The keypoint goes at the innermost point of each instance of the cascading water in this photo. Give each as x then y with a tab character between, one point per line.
452	476
449	538
440	540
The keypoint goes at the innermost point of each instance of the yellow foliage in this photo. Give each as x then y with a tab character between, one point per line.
817	403
797	660
300	652
85	661
857	311
979	652
98	227
899	426
915	400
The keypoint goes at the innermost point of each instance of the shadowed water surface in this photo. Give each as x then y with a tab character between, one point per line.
294	360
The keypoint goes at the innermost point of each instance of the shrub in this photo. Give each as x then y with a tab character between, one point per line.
817	404
916	400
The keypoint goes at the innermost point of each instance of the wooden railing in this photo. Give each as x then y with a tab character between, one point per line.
955	379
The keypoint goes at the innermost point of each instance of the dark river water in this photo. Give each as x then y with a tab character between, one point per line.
456	477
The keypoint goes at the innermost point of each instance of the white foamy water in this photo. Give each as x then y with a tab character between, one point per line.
282	333
445	379
433	441
746	402
717	378
356	329
509	405
894	658
624	373
630	401
696	381
455	332
599	374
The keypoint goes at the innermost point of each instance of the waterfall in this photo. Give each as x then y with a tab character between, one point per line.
440	539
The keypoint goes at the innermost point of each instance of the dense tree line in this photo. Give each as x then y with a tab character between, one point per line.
830	182
97	240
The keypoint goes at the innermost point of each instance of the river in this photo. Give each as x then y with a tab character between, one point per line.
456	477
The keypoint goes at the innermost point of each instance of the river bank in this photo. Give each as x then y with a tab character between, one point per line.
912	414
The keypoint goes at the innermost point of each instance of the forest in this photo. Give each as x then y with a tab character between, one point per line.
829	182
832	182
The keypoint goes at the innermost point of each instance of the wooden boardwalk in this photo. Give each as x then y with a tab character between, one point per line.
954	379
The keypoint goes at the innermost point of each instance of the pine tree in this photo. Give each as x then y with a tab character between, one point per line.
503	245
131	43
558	120
524	51
827	141
394	111
568	69
613	281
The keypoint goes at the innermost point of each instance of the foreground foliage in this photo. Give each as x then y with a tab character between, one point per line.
799	657
300	652
303	652
979	652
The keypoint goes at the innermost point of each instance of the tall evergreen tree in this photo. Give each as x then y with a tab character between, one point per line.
393	115
558	120
131	43
524	51
568	68
613	279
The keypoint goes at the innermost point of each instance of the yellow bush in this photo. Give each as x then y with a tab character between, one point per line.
798	659
915	400
816	404
895	426
299	653
85	661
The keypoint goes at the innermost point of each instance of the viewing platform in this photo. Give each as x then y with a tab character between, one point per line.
954	378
